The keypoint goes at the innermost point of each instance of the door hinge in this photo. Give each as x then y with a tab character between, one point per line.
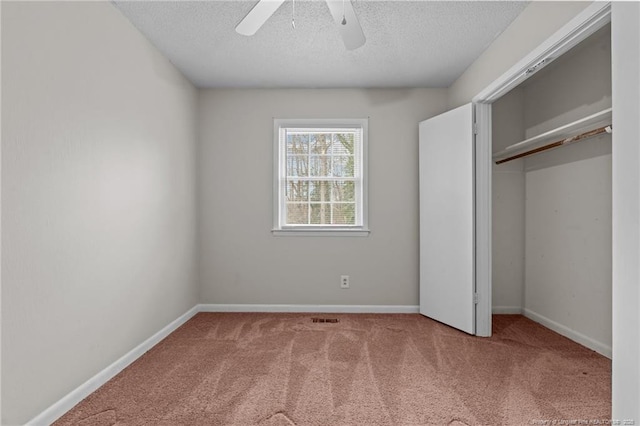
475	128
475	298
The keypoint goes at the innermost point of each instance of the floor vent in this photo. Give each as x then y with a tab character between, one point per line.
325	320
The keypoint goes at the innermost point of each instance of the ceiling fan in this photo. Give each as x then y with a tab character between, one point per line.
341	10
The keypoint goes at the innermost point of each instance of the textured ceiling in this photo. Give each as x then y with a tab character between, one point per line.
409	43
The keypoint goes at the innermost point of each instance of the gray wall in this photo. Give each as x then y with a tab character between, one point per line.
555	207
508	219
533	26
537	22
568	196
103	277
625	36
98	157
242	262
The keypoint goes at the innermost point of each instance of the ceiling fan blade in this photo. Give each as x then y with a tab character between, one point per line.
351	32
258	16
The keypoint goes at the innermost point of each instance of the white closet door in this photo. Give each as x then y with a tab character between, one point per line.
447	282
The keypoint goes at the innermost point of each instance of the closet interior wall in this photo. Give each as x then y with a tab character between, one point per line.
508	219
552	210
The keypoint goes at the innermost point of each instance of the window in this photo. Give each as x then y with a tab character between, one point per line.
320	176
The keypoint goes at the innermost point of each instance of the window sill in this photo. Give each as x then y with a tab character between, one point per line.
324	232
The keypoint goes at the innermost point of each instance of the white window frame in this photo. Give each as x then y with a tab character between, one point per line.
279	180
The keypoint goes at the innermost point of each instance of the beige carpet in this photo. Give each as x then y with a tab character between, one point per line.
284	369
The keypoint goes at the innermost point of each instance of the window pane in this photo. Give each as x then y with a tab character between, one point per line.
297	190
320	214
297	144
297	165
343	166
320	143
320	165
320	190
343	144
344	191
320	174
297	214
344	214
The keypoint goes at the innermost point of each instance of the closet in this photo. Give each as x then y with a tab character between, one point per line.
551	195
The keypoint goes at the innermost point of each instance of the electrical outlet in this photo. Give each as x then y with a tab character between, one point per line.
344	281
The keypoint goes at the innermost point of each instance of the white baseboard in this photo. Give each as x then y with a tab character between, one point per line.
587	341
344	309
507	310
58	409
55	411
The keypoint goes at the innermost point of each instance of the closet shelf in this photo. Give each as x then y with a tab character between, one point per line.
577	130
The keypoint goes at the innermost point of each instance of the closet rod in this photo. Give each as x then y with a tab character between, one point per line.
605	129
